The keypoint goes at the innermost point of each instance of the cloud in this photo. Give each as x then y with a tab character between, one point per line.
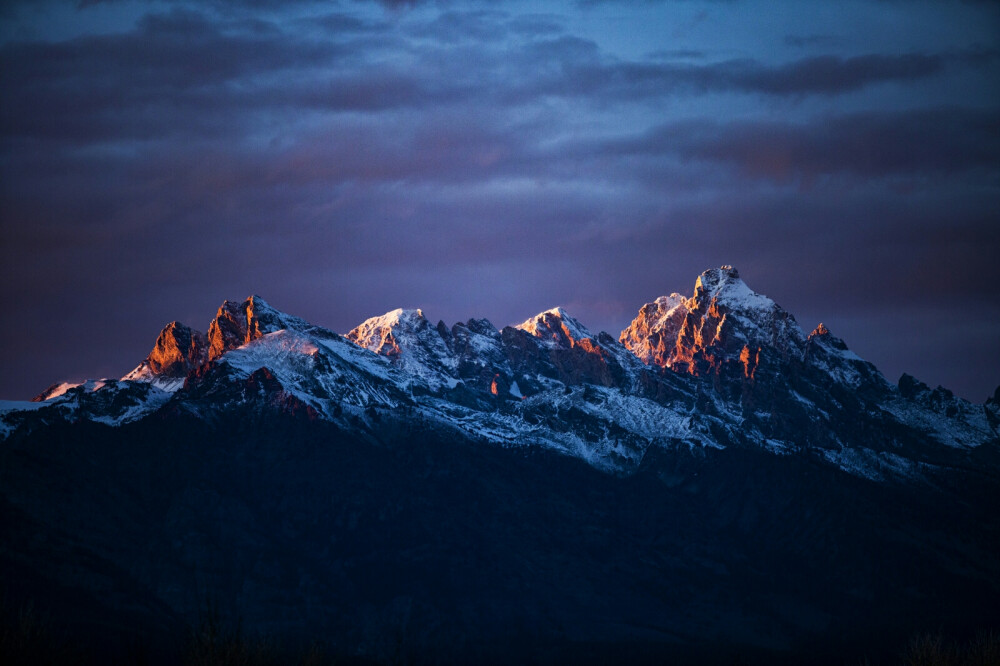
925	141
474	162
579	75
190	74
595	3
803	41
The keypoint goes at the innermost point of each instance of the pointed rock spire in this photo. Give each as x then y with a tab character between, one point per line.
236	324
178	350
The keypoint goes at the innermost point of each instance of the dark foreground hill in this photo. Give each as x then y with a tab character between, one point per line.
417	548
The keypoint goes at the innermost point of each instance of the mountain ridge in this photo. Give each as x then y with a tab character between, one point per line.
532	494
725	366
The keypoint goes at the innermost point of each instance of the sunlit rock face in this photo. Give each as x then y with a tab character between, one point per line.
753	354
560	342
236	324
228	330
724	323
652	335
725	367
178	349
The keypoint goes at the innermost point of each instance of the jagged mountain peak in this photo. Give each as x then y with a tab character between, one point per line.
725	287
723	321
381	334
715	276
555	328
178	350
652	335
732	367
822	336
406	317
236	324
416	347
825	351
482	326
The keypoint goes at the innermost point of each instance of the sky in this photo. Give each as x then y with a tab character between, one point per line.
496	159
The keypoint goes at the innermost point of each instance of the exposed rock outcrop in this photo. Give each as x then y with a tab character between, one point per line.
236	324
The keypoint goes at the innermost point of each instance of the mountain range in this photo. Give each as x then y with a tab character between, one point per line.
712	483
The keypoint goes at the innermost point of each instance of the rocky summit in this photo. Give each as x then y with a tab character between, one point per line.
712	483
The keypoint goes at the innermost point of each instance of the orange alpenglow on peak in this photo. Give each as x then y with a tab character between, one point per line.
178	350
237	324
556	328
820	330
652	335
723	322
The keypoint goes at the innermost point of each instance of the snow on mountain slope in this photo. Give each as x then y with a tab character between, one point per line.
941	414
321	372
829	354
571	353
58	390
795	391
725	367
406	338
555	329
106	401
482	362
144	374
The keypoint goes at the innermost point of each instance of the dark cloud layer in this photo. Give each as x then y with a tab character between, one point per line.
482	160
827	75
940	142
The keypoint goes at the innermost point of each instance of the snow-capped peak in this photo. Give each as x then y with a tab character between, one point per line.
762	378
412	344
720	296
725	287
723	320
555	328
379	334
407	317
